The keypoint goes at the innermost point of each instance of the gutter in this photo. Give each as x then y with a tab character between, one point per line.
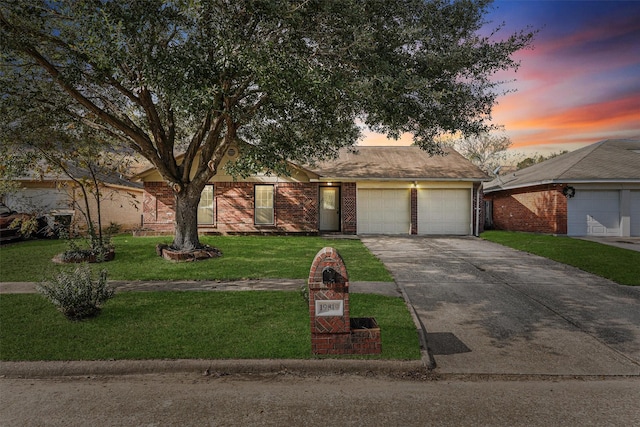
563	181
404	179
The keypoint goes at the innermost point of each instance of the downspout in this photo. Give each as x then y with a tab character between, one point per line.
477	231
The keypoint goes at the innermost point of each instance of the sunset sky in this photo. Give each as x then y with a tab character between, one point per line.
581	81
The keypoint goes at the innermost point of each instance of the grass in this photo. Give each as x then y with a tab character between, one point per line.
617	264
172	325
244	257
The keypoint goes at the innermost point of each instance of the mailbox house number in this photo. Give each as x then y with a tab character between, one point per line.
329	308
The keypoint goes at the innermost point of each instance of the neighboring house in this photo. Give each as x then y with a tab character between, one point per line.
372	190
593	191
56	196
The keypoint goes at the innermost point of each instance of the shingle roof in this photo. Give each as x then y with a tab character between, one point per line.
112	178
398	163
612	160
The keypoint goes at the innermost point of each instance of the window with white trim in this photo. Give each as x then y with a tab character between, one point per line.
205	207
263	204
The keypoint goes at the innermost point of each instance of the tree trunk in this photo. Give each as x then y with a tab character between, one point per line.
186	237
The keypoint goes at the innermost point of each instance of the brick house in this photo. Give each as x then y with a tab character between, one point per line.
593	191
373	190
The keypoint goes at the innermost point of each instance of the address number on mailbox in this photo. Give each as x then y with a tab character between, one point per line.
329	307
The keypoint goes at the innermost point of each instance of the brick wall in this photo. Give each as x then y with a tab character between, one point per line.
158	207
349	208
414	211
296	208
336	332
538	209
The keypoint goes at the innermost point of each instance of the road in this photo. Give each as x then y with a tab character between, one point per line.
296	399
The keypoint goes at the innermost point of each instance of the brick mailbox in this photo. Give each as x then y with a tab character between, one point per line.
332	329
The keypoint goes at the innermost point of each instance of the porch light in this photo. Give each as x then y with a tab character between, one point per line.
569	191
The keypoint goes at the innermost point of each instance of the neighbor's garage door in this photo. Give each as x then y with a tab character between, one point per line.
444	211
594	213
635	213
384	211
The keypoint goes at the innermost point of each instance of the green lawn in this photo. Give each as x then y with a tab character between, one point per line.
244	257
173	325
617	264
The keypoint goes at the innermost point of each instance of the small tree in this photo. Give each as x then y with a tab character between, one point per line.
86	166
487	151
530	161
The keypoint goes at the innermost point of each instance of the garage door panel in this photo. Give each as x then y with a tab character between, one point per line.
444	211
594	213
383	211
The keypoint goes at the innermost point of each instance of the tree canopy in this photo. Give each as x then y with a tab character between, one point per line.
285	80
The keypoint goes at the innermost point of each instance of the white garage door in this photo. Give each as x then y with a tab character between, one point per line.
444	211
384	211
594	213
635	213
39	200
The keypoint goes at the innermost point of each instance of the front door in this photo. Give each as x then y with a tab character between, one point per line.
329	209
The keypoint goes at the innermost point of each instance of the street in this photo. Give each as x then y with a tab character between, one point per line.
309	400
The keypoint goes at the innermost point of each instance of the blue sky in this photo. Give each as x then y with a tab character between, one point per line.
581	81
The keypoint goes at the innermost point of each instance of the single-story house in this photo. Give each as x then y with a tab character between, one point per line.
593	191
57	197
369	190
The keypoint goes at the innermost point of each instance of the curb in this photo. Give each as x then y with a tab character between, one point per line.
206	367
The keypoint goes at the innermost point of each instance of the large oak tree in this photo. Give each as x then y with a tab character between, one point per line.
286	80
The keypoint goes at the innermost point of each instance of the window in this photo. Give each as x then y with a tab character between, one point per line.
205	207
264	204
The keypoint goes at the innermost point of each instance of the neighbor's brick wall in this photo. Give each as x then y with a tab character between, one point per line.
296	208
539	209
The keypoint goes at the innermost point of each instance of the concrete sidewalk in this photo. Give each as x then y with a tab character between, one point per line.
631	243
380	288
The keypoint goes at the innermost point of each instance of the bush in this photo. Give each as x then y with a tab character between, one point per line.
75	293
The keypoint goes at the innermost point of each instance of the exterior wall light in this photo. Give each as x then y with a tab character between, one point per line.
569	191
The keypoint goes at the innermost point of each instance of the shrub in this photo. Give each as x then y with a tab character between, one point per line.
76	294
98	250
113	229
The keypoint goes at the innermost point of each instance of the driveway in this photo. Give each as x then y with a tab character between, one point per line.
491	309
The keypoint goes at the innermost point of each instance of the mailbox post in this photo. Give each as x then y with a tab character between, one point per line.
332	329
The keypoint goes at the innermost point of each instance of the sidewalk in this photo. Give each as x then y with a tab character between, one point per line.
631	243
380	288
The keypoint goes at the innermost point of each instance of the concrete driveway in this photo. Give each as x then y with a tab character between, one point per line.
491	309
